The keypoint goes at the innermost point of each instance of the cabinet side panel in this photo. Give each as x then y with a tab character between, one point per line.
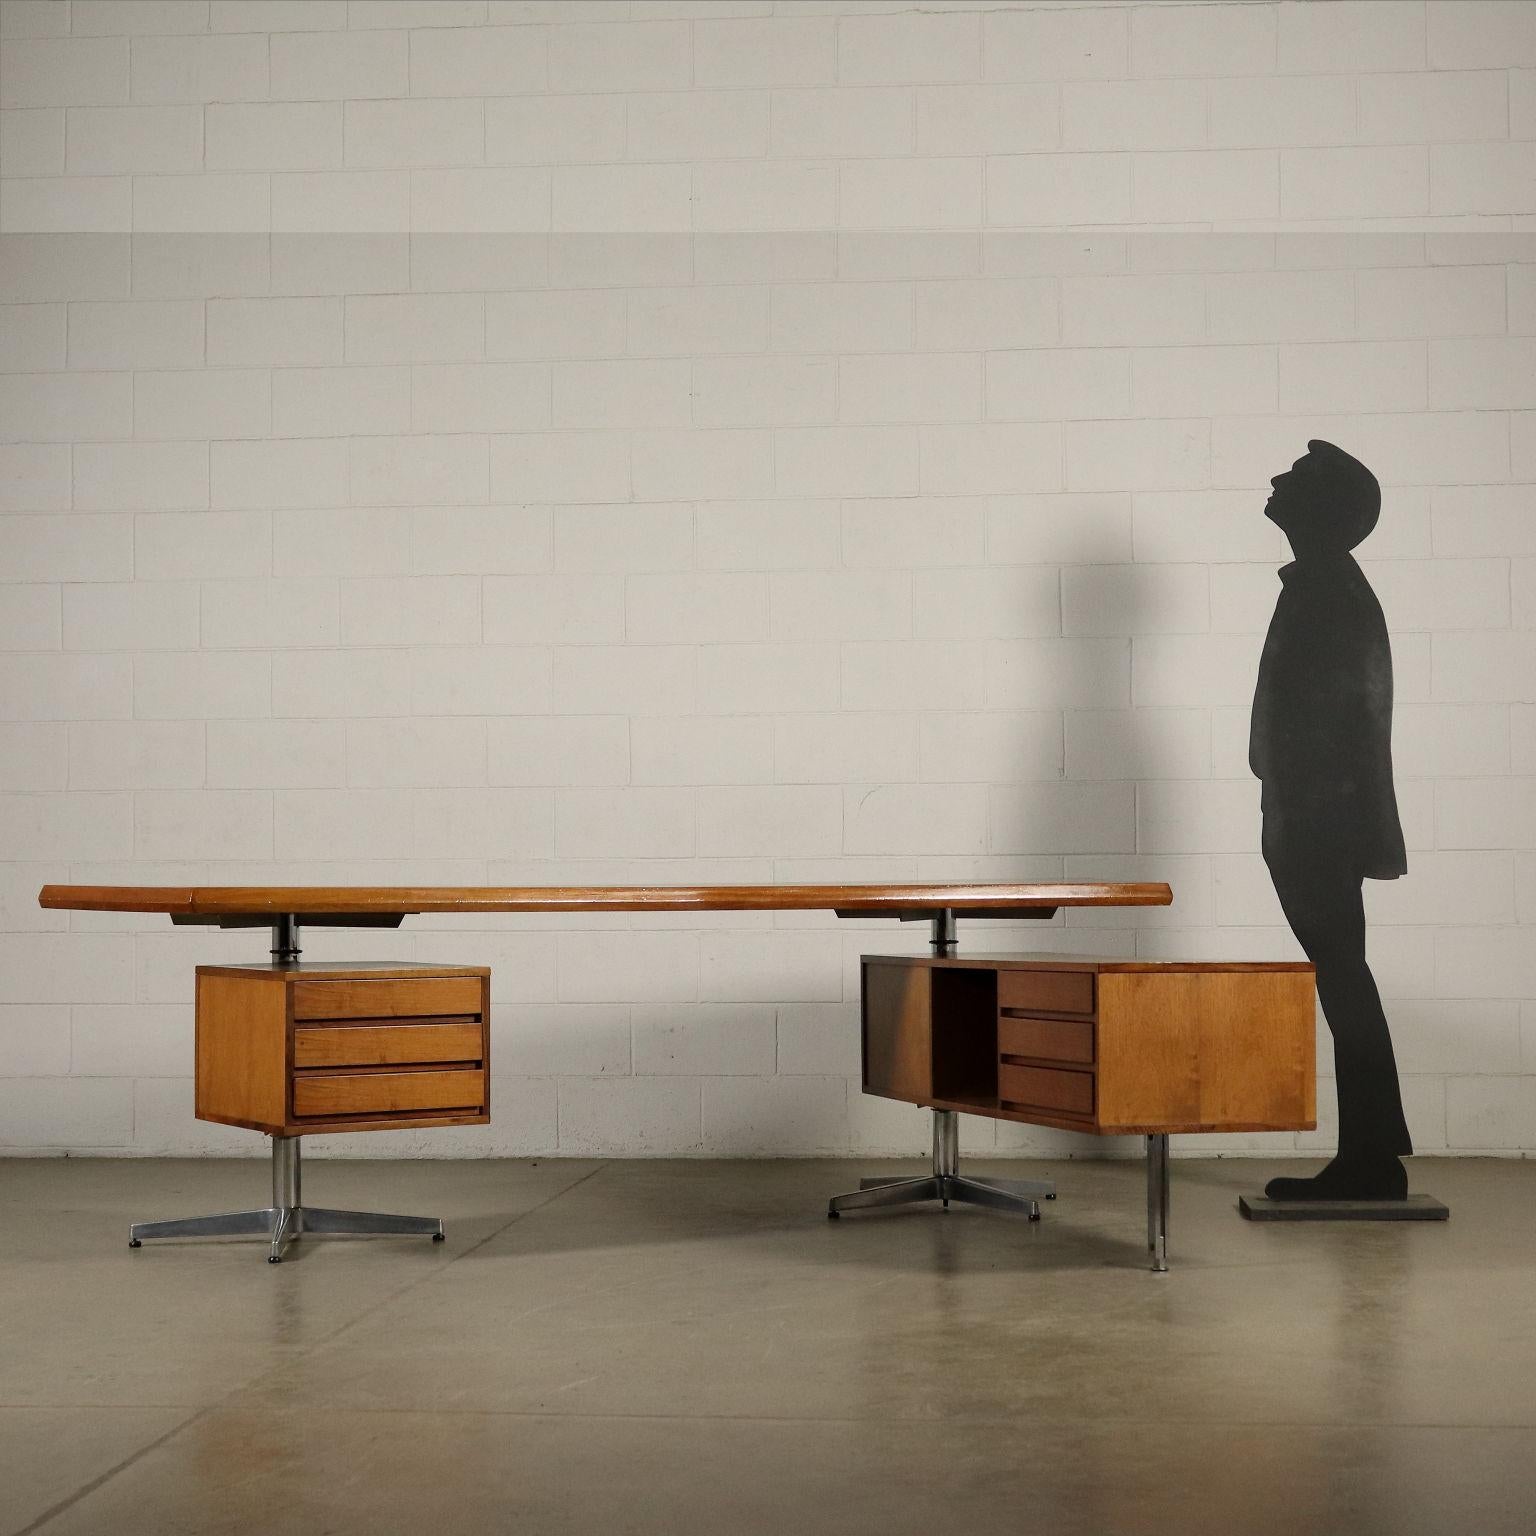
1148	1050
241	1042
898	1032
1258	1051
485	1039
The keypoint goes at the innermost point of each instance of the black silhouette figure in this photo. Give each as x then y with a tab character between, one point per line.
1321	743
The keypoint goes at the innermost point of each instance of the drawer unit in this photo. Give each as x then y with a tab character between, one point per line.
299	1049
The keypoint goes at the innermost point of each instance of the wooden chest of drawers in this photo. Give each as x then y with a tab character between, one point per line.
295	1050
1112	1047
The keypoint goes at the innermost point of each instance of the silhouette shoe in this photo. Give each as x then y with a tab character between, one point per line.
1354	1178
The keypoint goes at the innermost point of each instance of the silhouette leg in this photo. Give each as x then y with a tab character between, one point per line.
1323	905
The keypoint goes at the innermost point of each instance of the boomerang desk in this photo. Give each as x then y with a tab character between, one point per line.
292	1049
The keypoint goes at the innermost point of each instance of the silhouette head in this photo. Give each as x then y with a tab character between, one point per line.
1326	502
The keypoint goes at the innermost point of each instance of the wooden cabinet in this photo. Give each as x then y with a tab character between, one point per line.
1112	1047
299	1049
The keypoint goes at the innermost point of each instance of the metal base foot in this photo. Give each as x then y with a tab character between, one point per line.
946	1183
287	1218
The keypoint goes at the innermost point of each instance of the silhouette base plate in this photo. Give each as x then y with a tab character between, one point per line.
1414	1208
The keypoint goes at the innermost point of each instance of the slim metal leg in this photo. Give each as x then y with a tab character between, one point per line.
284	1230
946	1150
1157	1201
287	1217
287	1195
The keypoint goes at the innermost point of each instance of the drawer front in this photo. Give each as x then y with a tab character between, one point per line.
1046	991
379	1045
391	998
1068	1093
1046	1039
385	1093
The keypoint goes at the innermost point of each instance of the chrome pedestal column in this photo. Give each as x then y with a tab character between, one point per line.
287	1217
946	1182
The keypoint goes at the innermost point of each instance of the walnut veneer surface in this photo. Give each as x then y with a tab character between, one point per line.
294	1049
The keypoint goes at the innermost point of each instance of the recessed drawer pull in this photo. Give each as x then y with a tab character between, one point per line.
388	998
1046	991
1069	1093
1046	1039
372	1045
383	1093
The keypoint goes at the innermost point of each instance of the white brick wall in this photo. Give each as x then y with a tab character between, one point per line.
533	443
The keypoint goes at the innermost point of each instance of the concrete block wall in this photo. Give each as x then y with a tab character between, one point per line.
498	441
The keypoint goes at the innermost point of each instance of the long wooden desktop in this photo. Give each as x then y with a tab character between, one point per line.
317	1060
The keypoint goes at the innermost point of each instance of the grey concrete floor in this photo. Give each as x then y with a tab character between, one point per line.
639	1347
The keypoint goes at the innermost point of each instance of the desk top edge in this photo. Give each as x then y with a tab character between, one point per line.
333	900
977	960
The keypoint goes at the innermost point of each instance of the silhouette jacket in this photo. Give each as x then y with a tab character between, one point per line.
1321	738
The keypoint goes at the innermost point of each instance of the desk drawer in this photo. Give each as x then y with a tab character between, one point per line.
384	1093
1046	991
379	1045
1068	1093
396	997
1046	1039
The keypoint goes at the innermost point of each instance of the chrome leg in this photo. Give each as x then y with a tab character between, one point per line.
284	1230
230	1224
946	1150
896	1192
287	1195
1157	1201
287	1174
1028	1189
973	1192
287	1217
317	1219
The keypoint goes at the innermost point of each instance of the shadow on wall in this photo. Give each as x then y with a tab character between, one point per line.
1087	818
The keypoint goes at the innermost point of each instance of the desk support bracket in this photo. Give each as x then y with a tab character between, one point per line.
946	1182
287	1217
